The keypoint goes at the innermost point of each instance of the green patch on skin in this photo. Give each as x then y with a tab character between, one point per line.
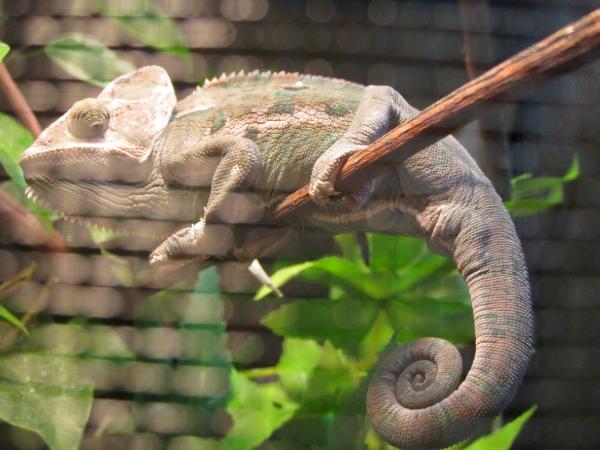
251	133
218	122
282	107
338	109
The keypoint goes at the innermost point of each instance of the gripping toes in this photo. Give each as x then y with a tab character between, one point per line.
320	192
322	183
198	241
325	174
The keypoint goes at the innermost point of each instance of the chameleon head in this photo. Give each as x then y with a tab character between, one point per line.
104	141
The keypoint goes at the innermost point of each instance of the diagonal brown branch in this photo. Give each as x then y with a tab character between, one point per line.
439	119
15	218
18	103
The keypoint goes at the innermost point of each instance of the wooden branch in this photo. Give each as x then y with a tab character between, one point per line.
442	117
21	226
475	18
15	219
18	103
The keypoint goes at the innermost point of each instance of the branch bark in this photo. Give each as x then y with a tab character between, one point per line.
15	220
456	109
18	102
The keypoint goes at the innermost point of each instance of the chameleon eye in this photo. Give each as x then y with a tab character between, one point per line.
88	118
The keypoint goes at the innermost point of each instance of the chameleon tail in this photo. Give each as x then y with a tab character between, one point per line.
414	399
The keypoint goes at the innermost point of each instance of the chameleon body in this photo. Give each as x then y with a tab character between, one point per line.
135	153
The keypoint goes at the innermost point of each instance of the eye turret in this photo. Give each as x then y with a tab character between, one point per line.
88	118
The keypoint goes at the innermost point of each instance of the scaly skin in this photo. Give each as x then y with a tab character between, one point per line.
135	158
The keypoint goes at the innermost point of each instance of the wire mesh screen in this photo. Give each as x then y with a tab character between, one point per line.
160	350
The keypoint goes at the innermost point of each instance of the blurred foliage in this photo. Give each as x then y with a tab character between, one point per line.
4	49
14	139
145	21
87	59
41	392
534	195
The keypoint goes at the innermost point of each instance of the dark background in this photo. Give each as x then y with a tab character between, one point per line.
418	47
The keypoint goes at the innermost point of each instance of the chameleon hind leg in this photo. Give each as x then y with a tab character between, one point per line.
380	109
226	164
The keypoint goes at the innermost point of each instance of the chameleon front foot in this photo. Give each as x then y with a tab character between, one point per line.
198	241
321	191
322	185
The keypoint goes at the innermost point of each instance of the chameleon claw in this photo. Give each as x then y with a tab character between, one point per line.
320	192
157	258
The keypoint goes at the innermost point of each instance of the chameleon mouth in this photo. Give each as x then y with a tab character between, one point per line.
152	230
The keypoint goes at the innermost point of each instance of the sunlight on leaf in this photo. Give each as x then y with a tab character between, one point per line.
45	394
298	359
145	21
87	59
10	318
14	139
257	410
502	438
4	49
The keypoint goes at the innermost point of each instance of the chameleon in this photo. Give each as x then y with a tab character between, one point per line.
135	154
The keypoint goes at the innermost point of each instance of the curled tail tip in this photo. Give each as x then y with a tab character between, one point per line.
415	376
416	400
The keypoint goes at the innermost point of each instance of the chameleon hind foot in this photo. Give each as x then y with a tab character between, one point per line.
198	241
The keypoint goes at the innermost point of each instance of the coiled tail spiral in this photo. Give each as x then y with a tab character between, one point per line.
415	399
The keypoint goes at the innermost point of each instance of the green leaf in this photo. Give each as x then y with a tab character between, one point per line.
351	429
354	275
418	317
257	410
531	196
332	270
281	277
349	246
14	139
10	318
402	264
297	362
502	438
146	22
392	253
87	59
4	49
45	394
424	268
331	382
573	171
343	322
